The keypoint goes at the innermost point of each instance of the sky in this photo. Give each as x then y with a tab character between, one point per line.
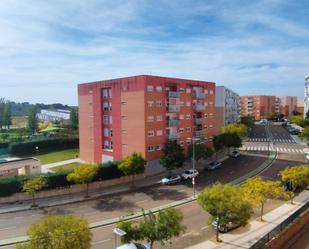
47	47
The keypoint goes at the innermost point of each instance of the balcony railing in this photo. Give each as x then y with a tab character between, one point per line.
173	136
199	95
173	122
199	133
198	121
199	107
173	108
173	94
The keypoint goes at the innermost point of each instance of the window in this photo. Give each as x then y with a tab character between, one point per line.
211	115
124	117
181	130
124	131
181	103
206	115
181	117
159	103
150	148
150	133
159	89
188	116
106	132
150	118
159	147
159	118
110	132
149	103
149	88
182	143
125	145
206	91
105	119
181	89
205	126
108	145
206	104
188	142
188	103
123	103
211	92
188	129
188	90
210	126
211	103
105	93
159	133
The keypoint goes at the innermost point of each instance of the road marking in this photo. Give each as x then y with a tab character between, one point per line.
182	190
34	215
19	217
100	242
205	227
142	201
186	234
7	228
92	213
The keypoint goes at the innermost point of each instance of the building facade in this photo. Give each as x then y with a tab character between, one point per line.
227	107
288	104
54	116
139	114
259	106
306	99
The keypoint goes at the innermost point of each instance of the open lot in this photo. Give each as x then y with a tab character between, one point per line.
57	156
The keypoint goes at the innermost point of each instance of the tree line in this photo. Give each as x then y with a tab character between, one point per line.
5	114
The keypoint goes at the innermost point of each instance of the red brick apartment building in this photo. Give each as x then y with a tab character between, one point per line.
258	106
140	113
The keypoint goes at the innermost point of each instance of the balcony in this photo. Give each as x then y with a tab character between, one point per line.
173	122
199	95
172	94
173	108
198	121
173	136
199	107
199	133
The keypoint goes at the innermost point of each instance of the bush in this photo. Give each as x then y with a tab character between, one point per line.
11	185
52	143
4	145
108	170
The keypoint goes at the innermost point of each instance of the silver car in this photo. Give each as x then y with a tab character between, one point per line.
134	245
171	179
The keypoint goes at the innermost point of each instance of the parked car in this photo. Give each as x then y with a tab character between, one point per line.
134	245
190	173
213	165
234	153
171	179
224	228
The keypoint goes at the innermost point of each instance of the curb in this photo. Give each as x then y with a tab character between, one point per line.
271	158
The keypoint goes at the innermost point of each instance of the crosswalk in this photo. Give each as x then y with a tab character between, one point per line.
276	140
278	149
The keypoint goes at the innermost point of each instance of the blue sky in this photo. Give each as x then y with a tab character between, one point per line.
253	47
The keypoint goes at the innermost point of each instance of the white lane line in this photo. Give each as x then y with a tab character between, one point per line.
35	215
205	227
100	242
7	228
19	217
182	190
142	201
186	234
289	150
91	213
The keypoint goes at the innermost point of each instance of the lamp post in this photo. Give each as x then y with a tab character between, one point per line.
194	139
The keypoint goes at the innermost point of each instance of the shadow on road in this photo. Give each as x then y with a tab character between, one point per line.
165	194
113	203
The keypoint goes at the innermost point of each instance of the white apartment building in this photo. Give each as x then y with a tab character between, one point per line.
53	116
227	106
306	99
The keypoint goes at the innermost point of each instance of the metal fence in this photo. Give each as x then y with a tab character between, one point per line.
278	229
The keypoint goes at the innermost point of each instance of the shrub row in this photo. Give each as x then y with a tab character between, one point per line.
4	145
12	185
51	143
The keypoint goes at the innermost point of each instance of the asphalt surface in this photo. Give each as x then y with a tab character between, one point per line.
195	219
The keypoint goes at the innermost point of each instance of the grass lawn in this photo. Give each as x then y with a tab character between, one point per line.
65	167
57	156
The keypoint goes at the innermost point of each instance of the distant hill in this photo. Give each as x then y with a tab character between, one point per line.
22	109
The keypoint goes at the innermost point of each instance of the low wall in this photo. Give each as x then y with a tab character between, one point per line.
71	190
288	237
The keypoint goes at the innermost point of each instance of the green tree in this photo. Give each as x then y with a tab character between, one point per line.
74	119
305	133
2	107
132	165
83	174
258	191
240	129
201	151
226	140
32	120
160	227
225	203
218	144
297	119
298	176
4	136
247	121
173	156
58	232
33	186
7	117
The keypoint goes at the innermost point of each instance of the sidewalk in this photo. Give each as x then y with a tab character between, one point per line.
45	168
245	237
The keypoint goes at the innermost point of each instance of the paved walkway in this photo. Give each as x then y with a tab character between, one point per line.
45	168
246	236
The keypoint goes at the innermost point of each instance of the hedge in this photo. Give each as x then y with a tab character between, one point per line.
4	145
12	185
51	143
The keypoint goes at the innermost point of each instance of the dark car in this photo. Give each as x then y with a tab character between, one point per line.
224	228
213	165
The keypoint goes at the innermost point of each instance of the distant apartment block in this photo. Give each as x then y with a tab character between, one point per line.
54	116
300	106
306	99
288	104
259	106
17	166
140	113
227	107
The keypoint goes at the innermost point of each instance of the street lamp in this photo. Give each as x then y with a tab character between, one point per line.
118	232
194	139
